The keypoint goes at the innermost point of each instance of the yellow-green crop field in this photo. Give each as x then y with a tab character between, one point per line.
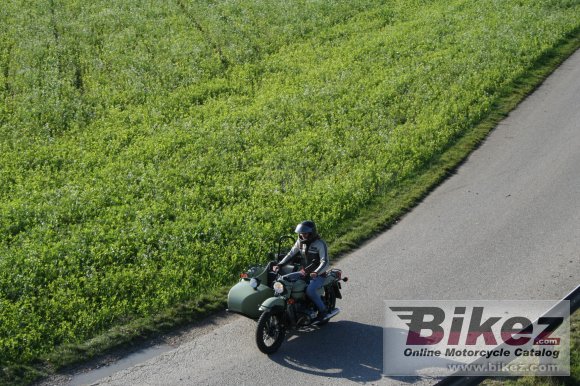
149	150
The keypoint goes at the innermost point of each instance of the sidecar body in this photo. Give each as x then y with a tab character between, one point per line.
246	296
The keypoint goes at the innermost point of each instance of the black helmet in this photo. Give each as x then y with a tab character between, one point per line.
306	228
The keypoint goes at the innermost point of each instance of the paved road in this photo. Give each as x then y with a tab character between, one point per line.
505	226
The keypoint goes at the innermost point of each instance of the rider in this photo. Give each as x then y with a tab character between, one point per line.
314	257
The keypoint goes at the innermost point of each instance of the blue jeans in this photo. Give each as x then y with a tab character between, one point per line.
311	289
315	284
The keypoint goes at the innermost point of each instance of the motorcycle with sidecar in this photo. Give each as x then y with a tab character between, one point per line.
278	300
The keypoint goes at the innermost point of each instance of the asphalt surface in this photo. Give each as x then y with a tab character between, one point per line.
505	226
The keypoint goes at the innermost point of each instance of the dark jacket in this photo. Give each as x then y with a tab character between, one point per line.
313	256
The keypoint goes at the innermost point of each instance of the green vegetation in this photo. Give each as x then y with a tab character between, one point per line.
573	379
150	150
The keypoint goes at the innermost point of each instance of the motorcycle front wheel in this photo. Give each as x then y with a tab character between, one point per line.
270	332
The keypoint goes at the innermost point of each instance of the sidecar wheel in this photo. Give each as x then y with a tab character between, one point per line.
270	332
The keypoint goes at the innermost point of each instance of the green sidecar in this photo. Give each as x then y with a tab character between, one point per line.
250	292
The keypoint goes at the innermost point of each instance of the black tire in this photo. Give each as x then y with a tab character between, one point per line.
329	302
270	332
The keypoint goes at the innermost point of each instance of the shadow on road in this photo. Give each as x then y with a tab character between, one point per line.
342	349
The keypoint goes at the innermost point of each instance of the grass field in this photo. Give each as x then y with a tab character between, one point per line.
573	379
150	150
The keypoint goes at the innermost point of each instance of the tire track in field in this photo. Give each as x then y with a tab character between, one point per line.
55	35
225	62
6	70
69	70
77	80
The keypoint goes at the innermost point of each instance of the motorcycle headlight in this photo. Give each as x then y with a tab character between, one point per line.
278	287
254	283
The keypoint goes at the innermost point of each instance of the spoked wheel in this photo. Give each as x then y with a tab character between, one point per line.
329	302
270	332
